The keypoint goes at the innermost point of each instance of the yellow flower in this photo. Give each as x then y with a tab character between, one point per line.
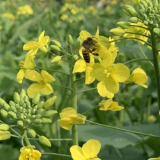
42	85
88	151
64	17
34	45
139	77
9	15
154	158
28	64
109	104
4	135
137	30
69	117
24	10
110	75
28	153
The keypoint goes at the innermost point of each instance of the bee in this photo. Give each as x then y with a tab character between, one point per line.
89	47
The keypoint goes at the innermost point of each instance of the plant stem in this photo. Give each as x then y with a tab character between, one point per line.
124	130
74	102
62	86
52	139
57	154
26	138
156	65
139	59
87	90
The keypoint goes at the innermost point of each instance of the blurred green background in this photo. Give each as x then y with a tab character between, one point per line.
23	20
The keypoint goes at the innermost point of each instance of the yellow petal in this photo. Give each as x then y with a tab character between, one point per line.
115	107
47	77
120	72
104	105
29	61
46	89
91	148
41	35
33	75
98	70
89	78
43	41
111	85
77	153
30	45
84	35
80	66
20	75
68	112
97	33
65	123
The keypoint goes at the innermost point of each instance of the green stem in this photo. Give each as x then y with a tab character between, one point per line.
74	102
156	65
52	139
137	34
12	135
87	90
124	130
139	59
57	154
26	138
79	79
62	86
90	110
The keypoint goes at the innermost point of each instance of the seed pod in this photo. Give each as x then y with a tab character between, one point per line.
36	99
16	97
45	141
50	113
49	102
56	59
40	104
69	40
37	121
12	115
11	103
117	31
22	94
4	114
55	48
31	133
46	120
55	42
6	106
20	123
133	20
4	135
123	25
4	127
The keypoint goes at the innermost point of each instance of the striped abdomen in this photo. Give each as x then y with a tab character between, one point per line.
86	56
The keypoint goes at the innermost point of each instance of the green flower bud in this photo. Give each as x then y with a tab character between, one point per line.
69	40
55	42
36	99
142	7
44	50
126	13
56	59
55	48
11	103
49	102
155	3
28	104
50	113
16	97
40	104
17	106
38	116
4	135
133	20
135	1
28	121
4	127
38	121
4	114
123	25
12	115
22	94
150	4
145	5
24	105
130	10
33	111
14	109
117	31
6	106
45	141
39	111
26	99
31	133
46	120
33	116
2	101
20	123
157	31
75	57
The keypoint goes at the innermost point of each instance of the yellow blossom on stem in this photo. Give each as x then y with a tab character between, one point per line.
29	153
35	45
88	151
109	104
110	75
139	77
4	135
28	64
69	117
42	85
154	158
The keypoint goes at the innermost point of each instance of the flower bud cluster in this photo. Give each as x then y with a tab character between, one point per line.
25	111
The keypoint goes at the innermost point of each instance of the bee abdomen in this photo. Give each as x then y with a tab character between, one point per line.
86	55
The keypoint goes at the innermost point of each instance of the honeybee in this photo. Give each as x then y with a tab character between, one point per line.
89	47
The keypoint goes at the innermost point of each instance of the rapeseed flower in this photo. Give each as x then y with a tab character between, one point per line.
9	15
4	135
42	85
29	153
28	64
34	46
69	117
110	75
139	77
109	104
88	151
25	10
